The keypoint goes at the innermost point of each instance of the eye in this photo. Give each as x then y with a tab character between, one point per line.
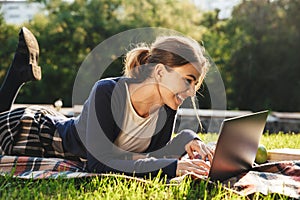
188	81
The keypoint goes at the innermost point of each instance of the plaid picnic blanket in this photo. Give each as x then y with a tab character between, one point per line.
41	168
47	168
278	177
281	177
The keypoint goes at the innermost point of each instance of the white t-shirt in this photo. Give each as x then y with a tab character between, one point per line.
136	131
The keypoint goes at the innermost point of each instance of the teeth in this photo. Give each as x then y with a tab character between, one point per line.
180	97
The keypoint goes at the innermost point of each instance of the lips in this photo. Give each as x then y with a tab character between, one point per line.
180	99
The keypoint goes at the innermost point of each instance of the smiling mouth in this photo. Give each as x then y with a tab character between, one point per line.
179	98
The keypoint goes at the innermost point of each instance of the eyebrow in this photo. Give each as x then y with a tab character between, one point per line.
192	76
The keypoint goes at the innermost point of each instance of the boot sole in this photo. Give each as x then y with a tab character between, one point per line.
33	49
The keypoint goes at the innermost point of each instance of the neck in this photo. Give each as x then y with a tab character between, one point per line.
144	97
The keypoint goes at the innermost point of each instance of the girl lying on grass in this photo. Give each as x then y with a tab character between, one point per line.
126	123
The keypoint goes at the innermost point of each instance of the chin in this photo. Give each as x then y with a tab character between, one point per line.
173	103
174	106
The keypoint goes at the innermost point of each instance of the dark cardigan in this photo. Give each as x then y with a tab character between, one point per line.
92	134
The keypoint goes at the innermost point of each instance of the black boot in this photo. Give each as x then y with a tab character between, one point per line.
25	63
24	68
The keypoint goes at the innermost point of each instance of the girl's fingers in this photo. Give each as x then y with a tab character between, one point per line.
198	170
201	149
211	151
192	166
201	163
189	151
207	155
210	157
205	152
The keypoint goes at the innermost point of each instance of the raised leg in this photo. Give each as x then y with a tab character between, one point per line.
24	68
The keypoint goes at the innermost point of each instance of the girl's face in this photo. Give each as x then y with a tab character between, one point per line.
177	83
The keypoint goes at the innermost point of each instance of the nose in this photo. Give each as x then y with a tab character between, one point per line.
191	91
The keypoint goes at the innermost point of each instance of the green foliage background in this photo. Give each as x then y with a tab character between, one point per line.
256	50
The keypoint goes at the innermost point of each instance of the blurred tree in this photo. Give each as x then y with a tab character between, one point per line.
182	16
257	53
8	41
218	48
256	50
264	64
71	29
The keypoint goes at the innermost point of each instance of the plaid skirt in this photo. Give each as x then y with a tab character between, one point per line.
31	131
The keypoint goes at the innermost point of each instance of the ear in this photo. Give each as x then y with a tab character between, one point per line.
159	71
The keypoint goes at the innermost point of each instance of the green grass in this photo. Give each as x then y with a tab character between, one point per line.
121	188
110	188
271	141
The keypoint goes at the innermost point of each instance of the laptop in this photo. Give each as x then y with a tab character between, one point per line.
237	145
